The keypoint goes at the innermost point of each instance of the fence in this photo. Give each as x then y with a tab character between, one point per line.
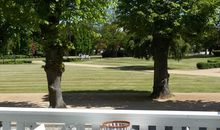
90	119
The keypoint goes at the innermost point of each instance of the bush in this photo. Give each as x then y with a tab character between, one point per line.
12	56
216	52
112	53
68	59
208	65
16	62
214	61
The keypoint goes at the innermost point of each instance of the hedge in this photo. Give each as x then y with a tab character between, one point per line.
14	56
214	61
216	52
16	62
208	65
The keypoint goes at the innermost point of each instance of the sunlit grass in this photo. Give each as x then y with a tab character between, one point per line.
185	63
31	78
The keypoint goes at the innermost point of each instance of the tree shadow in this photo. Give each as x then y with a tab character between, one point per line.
197	56
132	68
188	105
132	100
118	99
18	104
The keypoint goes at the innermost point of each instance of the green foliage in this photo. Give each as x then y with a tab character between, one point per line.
151	17
139	48
178	48
114	39
211	63
71	59
17	22
30	78
216	52
15	62
14	56
208	65
54	16
213	60
84	37
176	21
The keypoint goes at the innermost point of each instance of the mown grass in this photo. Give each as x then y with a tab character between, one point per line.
31	78
185	63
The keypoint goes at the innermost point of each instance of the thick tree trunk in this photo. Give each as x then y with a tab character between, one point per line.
161	76
54	69
54	51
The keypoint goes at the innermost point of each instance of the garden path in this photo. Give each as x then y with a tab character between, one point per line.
204	72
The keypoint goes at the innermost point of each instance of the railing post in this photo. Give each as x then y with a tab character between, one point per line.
96	127
88	127
177	128
20	125
31	125
69	127
159	127
6	125
80	127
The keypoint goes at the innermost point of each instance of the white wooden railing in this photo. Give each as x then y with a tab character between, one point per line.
90	119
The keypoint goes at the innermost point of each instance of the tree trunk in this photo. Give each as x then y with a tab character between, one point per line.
53	49
161	75
54	69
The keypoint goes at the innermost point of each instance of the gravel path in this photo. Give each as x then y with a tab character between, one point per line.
204	72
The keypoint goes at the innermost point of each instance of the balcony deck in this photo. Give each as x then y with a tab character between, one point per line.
89	119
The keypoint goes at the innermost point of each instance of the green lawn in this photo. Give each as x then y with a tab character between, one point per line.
31	78
186	63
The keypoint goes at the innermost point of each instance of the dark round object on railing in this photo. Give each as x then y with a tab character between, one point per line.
120	125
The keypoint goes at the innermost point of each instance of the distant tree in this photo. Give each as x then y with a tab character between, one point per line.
85	35
164	26
13	32
203	31
114	38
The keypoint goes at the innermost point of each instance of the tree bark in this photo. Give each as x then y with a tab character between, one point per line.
161	75
53	49
54	69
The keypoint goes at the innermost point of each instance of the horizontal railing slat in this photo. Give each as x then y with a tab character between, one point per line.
146	120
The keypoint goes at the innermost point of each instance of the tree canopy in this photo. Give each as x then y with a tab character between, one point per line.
177	21
52	19
163	27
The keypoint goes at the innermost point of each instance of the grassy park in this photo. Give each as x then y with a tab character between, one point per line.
125	74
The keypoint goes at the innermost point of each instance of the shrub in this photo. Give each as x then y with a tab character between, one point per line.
208	65
216	52
214	61
70	59
16	62
202	65
14	56
113	53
